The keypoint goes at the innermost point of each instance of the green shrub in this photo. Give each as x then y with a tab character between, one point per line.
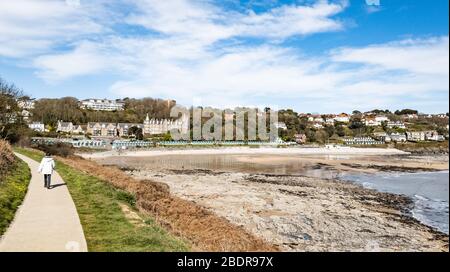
12	191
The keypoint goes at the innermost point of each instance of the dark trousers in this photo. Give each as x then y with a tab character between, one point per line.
47	180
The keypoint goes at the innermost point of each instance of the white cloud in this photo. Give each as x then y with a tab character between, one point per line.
30	27
201	51
243	73
203	21
429	56
86	59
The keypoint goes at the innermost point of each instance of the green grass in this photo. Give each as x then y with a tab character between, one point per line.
13	188
105	226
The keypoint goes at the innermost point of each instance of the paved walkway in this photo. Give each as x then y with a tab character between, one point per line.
47	221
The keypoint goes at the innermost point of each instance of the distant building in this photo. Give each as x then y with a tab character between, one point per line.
411	116
382	136
124	128
415	136
300	138
318	125
398	137
37	126
375	121
26	104
70	128
397	124
65	127
99	129
362	141
281	125
434	136
343	118
162	126
102	105
78	129
26	115
329	121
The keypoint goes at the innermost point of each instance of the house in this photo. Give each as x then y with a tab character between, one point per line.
375	121
78	129
382	136
411	116
434	136
300	138
37	126
318	125
65	127
398	137
397	124
329	121
415	136
371	122
281	125
362	141
123	128
26	114
318	120
162	126
27	104
343	118
100	129
102	105
312	117
381	119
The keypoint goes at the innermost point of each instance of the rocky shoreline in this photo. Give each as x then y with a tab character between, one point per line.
298	213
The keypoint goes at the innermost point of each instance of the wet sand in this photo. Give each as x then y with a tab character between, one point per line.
246	151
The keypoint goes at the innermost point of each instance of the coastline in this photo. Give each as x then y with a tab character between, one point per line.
249	151
298	212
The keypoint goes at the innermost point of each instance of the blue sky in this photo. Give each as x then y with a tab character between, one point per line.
312	56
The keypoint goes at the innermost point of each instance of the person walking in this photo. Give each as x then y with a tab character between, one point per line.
46	168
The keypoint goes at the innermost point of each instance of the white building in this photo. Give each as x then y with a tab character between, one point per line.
318	125
329	121
398	137
434	136
65	127
102	105
397	124
376	121
343	118
281	125
26	115
37	126
381	118
415	136
162	126
26	104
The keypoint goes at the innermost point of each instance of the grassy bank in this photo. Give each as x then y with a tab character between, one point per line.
13	188
109	217
424	148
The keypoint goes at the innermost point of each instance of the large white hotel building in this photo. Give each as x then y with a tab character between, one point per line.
102	105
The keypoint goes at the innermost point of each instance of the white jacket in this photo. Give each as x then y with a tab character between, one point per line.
47	165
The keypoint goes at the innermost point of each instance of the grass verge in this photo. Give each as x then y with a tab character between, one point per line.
13	188
107	226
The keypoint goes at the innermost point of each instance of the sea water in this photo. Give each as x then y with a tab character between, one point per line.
428	190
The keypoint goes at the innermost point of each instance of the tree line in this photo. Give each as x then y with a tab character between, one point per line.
50	111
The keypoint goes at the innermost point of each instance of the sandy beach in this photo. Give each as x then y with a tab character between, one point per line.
248	151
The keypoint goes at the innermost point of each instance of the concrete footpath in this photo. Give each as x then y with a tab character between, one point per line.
47	220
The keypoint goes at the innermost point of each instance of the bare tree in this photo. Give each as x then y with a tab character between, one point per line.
9	108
